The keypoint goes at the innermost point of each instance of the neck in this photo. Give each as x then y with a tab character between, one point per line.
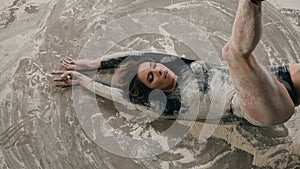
174	85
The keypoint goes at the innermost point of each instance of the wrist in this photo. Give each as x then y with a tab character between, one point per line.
84	80
94	64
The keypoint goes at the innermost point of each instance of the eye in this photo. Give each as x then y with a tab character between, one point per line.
150	77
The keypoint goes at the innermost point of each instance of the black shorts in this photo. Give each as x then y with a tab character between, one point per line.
282	73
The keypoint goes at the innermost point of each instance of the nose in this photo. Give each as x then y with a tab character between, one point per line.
158	72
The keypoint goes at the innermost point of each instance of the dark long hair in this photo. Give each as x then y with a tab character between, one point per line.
128	81
136	91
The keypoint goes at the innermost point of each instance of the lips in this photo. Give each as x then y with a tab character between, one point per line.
166	75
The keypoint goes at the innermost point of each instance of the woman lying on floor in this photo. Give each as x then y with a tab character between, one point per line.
261	95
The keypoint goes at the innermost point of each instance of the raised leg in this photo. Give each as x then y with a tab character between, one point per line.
261	96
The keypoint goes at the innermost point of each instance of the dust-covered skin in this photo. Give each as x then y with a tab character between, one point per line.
262	97
38	123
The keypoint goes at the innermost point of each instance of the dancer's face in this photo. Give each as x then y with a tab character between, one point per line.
156	76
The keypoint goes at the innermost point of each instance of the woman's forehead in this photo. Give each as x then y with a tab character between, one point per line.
144	66
143	71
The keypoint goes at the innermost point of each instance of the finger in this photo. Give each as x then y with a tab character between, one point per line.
67	61
63	79
60	79
62	64
62	73
71	60
67	66
60	84
57	72
66	83
62	60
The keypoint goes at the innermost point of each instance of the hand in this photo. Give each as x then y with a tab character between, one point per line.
68	78
71	64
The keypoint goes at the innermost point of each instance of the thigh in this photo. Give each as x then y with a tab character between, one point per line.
288	77
295	76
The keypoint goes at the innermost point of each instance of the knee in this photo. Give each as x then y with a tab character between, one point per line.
226	50
231	50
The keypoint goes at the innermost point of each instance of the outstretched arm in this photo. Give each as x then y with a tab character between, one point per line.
104	62
262	97
70	78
